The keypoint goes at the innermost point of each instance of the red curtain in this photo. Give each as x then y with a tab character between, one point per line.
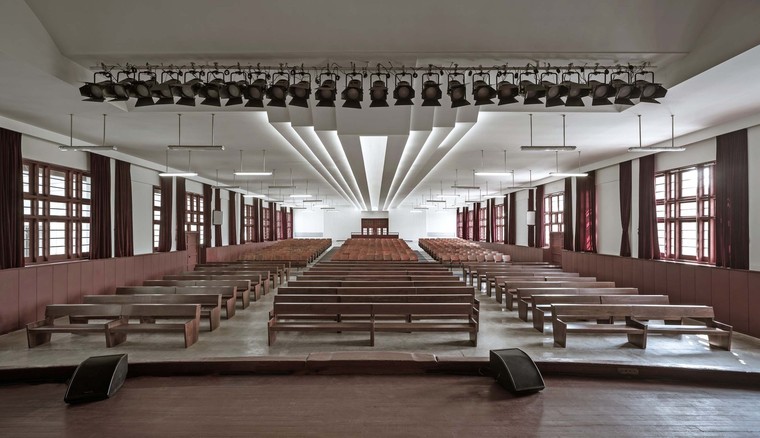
531	228
181	215
732	201
207	194
260	221
539	230
512	219
217	207
290	222
465	223
625	178
492	221
284	224
567	216
272	221
11	201
649	248
585	220
100	219
476	221
256	237
165	226
243	236
123	241
233	220
506	219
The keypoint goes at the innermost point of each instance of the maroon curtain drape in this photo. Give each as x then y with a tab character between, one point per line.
512	218
260	221
208	193
476	221
243	236
217	207
531	228
165	213
123	240
100	219
506	219
492	221
232	237
273	221
732	201
625	178
11	201
465	223
585	219
290	222
181	216
567	216
649	247
539	231
256	236
284	220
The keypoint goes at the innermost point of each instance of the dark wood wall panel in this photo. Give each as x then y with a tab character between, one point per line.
673	280
647	277
9	300
753	291
660	279
44	289
720	295
688	286
74	285
98	277
27	296
60	284
703	286
739	299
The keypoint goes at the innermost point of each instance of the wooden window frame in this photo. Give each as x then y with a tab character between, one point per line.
498	233
156	211
470	224
248	223
483	224
460	224
553	219
265	224
194	214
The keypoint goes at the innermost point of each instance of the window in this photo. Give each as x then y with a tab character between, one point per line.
554	206
265	225
278	230
56	212
460	224
470	220
156	216
248	224
289	221
483	223
498	233
686	213
194	214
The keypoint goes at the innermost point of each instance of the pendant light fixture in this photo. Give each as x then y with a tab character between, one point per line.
532	148
274	182
189	173
504	173
302	195
199	147
83	148
671	148
556	159
263	172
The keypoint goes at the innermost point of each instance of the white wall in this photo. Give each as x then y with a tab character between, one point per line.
143	181
308	223
409	226
608	230
340	223
754	198
442	223
521	210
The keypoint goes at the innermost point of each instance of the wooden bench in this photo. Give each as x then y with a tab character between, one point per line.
243	288
257	277
374	283
279	274
369	312
524	296
499	281
117	319
254	283
674	317
492	278
211	305
542	304
228	293
511	288
488	276
437	290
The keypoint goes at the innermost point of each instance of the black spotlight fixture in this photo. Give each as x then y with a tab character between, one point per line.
378	93
188	90
576	90
96	91
403	93
254	92
353	94
163	91
143	90
326	92
457	91
601	91
506	90
650	91
624	90
554	91
482	92
300	91
211	91
233	90
121	90
278	91
531	90
431	90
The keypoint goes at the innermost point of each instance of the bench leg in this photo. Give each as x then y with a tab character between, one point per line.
191	332
271	334
256	292
510	300
638	339
560	334
718	341
522	310
112	338
214	318
229	308
35	339
538	320
474	338
498	292
372	332
246	295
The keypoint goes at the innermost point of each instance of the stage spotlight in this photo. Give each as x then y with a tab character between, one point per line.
624	92
353	94
507	93
555	93
457	92
254	93
211	93
95	92
600	93
187	91
300	94
431	90
277	93
378	94
532	93
233	92
326	93
163	91
143	91
403	93
575	94
483	93
121	90
650	91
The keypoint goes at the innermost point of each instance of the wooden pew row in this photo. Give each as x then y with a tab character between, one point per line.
524	296
289	290
228	293
211	305
509	290
375	283
256	287
317	275
638	326
279	274
498	281
264	278
491	277
242	287
371	314
468	269
543	304
364	278
185	318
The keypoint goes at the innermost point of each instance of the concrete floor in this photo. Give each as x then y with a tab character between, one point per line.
245	335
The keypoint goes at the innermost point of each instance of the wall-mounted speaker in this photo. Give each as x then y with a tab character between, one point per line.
217	217
516	371
97	378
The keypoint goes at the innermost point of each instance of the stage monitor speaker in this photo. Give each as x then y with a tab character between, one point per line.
217	218
516	371
97	378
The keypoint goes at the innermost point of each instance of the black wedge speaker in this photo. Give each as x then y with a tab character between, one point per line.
97	378
516	371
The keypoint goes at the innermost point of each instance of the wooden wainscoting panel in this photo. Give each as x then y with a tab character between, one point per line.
739	300
27	295
703	285
688	285
721	296
74	283
60	284
9	300
44	289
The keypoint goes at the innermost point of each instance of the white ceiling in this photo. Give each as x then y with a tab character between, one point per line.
47	46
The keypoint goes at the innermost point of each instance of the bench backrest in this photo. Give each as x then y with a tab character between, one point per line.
437	290
239	284
375	283
153	290
642	311
571	284
203	299
162	310
221	290
525	292
634	299
59	310
253	279
545	300
375	299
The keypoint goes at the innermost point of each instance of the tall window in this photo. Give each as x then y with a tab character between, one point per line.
483	223
460	224
156	216
248	224
56	212
289	222
498	233
470	224
554	205
194	214
278	231
686	213
265	225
